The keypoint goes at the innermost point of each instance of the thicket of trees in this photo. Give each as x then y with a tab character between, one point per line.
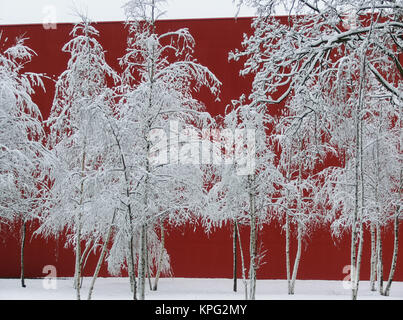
129	152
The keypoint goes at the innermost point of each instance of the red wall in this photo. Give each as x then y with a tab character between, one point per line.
193	253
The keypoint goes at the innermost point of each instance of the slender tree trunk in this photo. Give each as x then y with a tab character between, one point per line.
130	248
394	258
252	250
234	252
142	262
299	229
353	257
143	237
357	223
23	234
373	258
379	271
101	257
77	275
287	251
78	256
83	260
131	269
375	235
150	285
130	255
252	272
245	282
395	242
353	262
297	258
148	266
161	256
362	198
359	256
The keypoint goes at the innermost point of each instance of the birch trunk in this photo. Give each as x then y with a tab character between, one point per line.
131	271
353	257
394	258
374	230
130	248
234	252
101	257
253	266
287	231
379	271
242	265
355	261
148	266
78	256
359	256
287	251
362	203
77	274
130	254
142	263
395	243
297	259
373	258
157	275
23	235
83	260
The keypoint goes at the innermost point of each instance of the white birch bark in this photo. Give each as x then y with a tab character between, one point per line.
357	223
287	251
77	274
161	256
148	266
394	258
252	249
83	261
101	257
130	245
359	257
131	269
297	258
142	263
362	199
379	271
373	258
245	282
395	242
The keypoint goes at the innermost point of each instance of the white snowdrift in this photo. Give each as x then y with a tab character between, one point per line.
189	289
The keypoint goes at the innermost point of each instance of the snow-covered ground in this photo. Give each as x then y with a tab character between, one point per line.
188	289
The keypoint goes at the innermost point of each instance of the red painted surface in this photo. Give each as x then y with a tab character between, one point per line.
193	253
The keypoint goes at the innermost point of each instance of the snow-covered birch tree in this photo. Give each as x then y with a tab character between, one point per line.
317	43
365	124
382	171
23	158
247	179
301	141
159	79
79	140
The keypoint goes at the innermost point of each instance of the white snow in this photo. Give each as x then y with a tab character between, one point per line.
190	289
